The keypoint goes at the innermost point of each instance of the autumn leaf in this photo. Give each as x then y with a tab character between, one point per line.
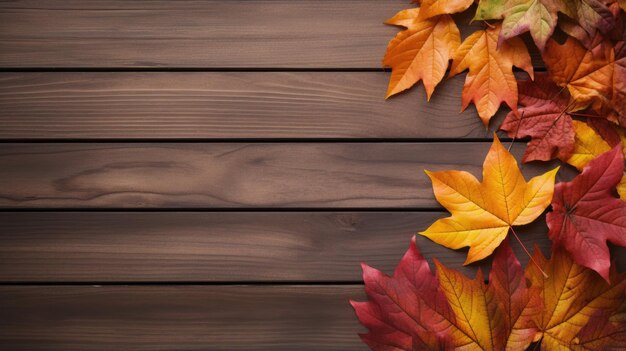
539	17
609	132
589	144
421	52
490	80
594	76
604	331
586	214
403	309
571	295
544	118
482	213
415	310
590	14
587	74
431	8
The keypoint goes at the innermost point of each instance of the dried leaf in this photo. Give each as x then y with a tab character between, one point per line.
587	74
588	144
433	8
586	214
539	17
482	213
590	14
571	295
490	80
603	332
544	118
421	52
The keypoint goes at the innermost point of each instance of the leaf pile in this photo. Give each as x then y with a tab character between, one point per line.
574	112
557	303
415	309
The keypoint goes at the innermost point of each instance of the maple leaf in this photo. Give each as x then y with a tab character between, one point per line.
404	308
603	331
482	213
490	80
587	74
421	52
415	310
589	144
590	14
594	76
571	295
586	215
544	118
431	8
539	17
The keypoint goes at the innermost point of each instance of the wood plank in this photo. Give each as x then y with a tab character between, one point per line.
179	318
207	34
215	105
219	246
174	175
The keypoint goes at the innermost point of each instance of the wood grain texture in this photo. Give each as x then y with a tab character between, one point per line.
140	175
218	246
207	34
179	318
220	105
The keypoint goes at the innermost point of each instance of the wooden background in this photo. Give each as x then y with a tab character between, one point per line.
208	175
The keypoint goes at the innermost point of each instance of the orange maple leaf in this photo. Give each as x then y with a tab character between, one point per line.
433	8
421	52
490	80
587	74
594	76
483	212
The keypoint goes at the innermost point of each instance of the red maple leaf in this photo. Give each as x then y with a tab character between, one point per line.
544	118
416	310
586	214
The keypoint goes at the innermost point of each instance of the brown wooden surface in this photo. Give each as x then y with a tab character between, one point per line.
219	246
113	236
219	34
228	105
332	175
179	318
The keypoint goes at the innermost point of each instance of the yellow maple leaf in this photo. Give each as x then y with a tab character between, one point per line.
587	145
490	80
421	52
483	212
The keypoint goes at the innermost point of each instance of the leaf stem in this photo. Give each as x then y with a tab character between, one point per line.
545	275
516	131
